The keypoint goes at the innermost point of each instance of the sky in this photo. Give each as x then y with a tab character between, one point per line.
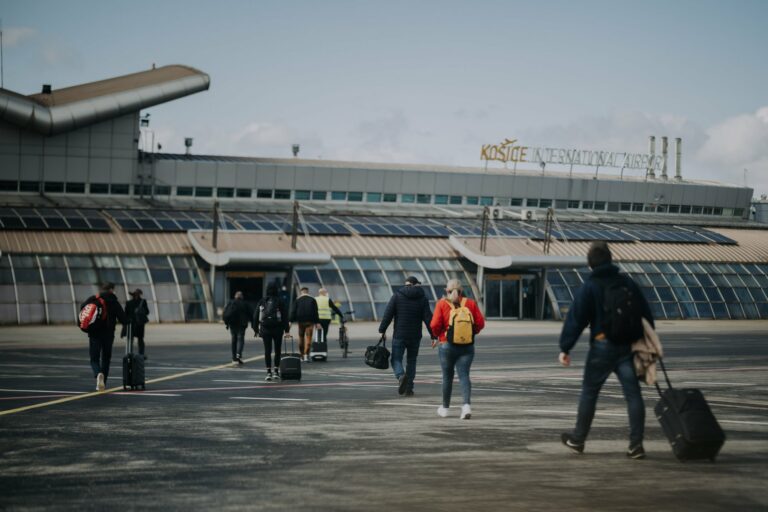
425	81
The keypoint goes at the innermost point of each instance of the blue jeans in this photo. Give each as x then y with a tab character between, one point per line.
399	348
460	357
603	359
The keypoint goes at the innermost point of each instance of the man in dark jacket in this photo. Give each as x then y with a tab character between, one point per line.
409	308
270	321
101	341
137	312
237	315
304	312
605	356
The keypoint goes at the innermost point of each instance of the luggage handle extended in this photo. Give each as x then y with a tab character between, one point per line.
288	336
129	338
666	377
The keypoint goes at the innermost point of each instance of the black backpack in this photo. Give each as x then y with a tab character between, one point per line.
622	312
269	312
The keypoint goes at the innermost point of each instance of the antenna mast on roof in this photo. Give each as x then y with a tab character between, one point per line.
2	82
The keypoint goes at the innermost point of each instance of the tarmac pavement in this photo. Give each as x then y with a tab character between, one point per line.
205	435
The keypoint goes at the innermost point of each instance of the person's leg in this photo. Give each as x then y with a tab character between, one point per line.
463	363
396	358
278	341
106	355
267	338
308	332
599	366
240	342
410	368
233	335
625	371
138	331
94	350
447	364
325	325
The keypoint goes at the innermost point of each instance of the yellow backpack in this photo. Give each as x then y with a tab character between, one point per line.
460	324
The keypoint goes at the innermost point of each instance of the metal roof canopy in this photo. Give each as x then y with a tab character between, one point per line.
66	109
527	258
255	248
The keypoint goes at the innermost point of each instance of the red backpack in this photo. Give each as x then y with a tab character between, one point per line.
93	315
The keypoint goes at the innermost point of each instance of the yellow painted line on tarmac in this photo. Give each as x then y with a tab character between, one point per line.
120	388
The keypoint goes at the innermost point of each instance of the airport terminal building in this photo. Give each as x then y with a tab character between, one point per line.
83	201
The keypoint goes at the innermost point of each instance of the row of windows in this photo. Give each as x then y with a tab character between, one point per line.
365	285
678	290
37	289
370	197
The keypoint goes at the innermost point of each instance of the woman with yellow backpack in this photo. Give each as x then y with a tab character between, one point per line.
456	321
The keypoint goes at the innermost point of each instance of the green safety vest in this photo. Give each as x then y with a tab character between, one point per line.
323	307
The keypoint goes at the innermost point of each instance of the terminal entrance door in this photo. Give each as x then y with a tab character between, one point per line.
250	283
510	296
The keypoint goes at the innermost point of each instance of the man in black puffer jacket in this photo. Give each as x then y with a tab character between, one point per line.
101	340
409	307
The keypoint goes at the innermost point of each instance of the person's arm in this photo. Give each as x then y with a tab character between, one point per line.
438	321
315	313
292	316
335	309
577	319
255	318
145	307
283	314
120	314
388	315
426	316
477	316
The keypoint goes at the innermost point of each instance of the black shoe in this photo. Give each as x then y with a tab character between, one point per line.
568	441
403	385
240	361
636	452
409	392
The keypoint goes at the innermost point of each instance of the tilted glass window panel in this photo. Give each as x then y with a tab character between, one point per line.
362	311
688	309
396	278
734	280
762	281
657	310
750	311
27	275
166	292
697	293
192	293
161	275
671	310
29	293
674	279
390	264
84	276
307	276
720	310
705	280
375	277
571	277
689	279
729	296
665	293
762	308
642	279
169	312
380	292
735	311
368	263
136	276
195	311
657	279
649	294
713	294
561	293
743	294
330	277
759	294
704	310
358	292
55	275
749	280
346	263
648	267
352	276
158	262
682	294
664	267
554	278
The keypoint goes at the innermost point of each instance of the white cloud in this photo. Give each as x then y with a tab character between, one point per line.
14	36
59	54
260	134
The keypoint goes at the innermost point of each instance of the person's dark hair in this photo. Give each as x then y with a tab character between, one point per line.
599	254
272	289
107	287
304	289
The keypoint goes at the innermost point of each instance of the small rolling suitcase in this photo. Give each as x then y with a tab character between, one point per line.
133	364
688	422
290	362
319	348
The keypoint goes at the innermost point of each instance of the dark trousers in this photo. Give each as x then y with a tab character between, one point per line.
101	354
272	338
399	349
603	359
238	341
325	324
138	332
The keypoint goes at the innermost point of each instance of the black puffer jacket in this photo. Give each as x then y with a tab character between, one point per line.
410	308
304	310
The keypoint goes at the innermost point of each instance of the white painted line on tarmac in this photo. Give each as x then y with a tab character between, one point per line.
43	391
693	383
573	413
275	399
407	404
143	393
740	422
260	381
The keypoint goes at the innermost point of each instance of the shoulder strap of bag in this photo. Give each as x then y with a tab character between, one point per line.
463	302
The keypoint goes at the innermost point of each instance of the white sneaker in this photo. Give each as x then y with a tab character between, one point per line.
100	386
466	412
442	411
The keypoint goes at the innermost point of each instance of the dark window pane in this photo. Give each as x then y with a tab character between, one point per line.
184	191
121	189
53	186
162	275
225	192
244	192
282	194
76	188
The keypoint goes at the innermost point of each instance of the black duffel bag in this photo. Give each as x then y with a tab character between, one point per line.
377	356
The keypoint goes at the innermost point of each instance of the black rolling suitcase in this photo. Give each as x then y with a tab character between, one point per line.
290	362
319	349
688	422
133	365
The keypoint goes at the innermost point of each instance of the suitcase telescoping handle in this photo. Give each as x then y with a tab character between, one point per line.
129	338
666	377
287	336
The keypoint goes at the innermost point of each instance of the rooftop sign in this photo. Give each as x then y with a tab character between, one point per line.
511	151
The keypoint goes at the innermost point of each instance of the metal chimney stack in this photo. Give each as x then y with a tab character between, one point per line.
652	151
678	148
664	156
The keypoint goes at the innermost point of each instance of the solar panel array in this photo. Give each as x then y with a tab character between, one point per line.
59	219
578	231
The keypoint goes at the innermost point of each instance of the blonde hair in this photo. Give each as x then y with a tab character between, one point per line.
453	290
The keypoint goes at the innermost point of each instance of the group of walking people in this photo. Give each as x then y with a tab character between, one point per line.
271	320
609	302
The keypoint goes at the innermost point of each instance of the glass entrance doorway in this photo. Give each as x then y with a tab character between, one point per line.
250	283
511	296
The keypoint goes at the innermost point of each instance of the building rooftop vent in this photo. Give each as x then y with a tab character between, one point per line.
46	88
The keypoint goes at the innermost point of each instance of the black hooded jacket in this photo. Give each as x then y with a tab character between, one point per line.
115	313
409	308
